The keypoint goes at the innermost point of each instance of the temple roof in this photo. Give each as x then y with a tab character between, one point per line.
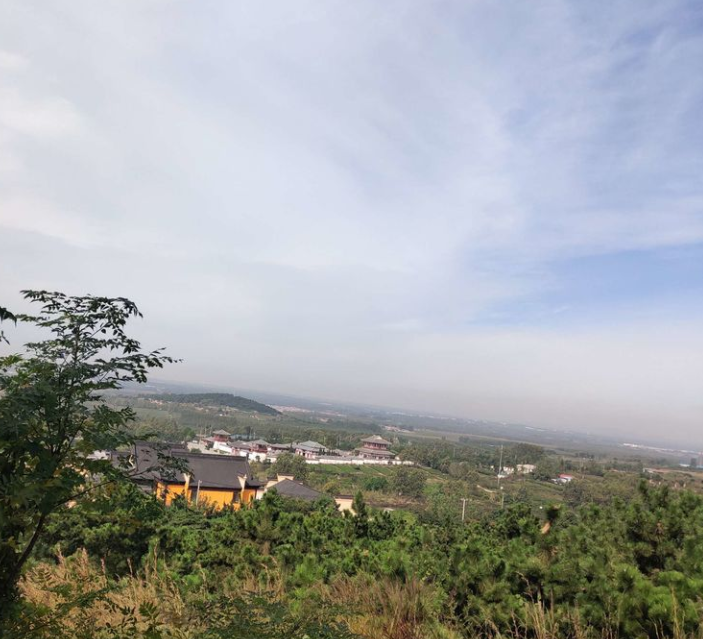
376	439
291	488
150	461
214	471
310	445
377	452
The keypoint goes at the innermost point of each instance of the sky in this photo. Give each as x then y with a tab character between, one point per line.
486	209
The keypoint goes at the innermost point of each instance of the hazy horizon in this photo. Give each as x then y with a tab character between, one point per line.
490	210
351	408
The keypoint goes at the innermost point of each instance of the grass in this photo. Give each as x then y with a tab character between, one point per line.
349	479
74	599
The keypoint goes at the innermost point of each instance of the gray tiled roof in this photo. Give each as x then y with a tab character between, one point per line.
310	445
379	452
376	439
290	488
213	471
146	459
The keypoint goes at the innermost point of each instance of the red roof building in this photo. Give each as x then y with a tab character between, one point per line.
375	447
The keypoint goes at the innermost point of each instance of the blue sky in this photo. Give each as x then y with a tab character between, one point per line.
611	289
488	209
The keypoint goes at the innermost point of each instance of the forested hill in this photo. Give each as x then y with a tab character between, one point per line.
218	399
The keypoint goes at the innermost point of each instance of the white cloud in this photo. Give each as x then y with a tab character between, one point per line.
341	175
10	61
46	118
33	215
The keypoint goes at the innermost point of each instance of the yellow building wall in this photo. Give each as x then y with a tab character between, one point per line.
344	503
167	492
212	497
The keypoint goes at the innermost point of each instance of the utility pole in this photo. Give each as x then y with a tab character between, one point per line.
463	509
500	465
197	493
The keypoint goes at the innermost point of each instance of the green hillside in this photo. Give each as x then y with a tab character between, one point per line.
218	399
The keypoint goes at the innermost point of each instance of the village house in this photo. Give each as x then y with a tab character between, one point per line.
144	460
287	486
281	447
259	447
221	436
256	450
375	447
526	469
309	449
217	480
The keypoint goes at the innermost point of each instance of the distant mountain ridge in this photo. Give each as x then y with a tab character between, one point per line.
217	399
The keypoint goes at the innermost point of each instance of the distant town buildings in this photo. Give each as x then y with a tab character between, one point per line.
373	450
526	469
375	447
309	450
519	469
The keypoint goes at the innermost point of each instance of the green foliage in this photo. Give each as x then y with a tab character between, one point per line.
547	469
52	415
408	481
359	507
290	464
619	570
375	483
163	429
264	617
218	399
5	316
244	616
466	456
116	524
